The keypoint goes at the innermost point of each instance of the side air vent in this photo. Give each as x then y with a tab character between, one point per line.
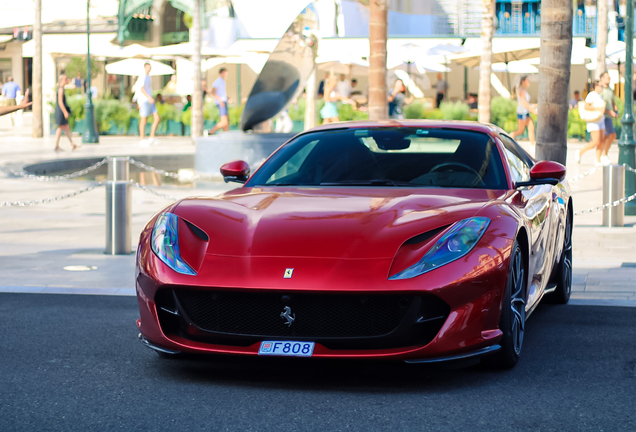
425	236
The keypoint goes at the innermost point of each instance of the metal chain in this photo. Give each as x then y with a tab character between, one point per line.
47	200
167	173
153	169
152	191
585	174
608	205
58	177
628	168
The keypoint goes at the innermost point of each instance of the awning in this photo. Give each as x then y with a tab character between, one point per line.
72	44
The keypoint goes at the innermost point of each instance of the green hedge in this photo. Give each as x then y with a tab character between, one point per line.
113	113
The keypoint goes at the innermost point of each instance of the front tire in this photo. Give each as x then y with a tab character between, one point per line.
513	313
564	272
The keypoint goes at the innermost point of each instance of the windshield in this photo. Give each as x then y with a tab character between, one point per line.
392	157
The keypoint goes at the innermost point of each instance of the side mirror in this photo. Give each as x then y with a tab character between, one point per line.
545	172
236	171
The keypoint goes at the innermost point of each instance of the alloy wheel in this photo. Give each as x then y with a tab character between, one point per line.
517	301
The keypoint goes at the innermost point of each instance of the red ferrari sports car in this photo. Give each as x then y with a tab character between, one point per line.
421	241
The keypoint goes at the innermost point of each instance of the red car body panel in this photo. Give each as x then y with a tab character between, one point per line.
351	240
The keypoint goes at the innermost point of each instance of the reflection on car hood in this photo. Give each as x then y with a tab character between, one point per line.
346	223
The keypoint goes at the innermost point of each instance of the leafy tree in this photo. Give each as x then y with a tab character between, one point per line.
79	64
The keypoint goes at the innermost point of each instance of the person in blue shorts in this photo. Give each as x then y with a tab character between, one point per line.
219	94
147	106
523	111
611	111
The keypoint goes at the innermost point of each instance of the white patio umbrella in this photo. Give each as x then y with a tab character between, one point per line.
515	67
253	60
135	67
420	66
342	64
506	57
186	49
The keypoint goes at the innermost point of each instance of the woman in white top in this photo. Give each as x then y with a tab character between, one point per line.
594	102
523	111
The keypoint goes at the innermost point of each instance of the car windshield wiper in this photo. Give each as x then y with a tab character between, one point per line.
375	182
280	184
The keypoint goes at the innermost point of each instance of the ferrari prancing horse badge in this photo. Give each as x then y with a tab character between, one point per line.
288	273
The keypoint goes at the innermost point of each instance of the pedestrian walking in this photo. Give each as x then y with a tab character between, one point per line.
523	111
321	86
329	112
62	113
344	86
10	92
219	93
147	106
593	112
397	100
611	112
574	102
441	87
77	82
188	104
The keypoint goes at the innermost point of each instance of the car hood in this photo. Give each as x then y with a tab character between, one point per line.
351	223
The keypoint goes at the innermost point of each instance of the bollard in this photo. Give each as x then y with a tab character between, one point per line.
118	207
613	190
119	168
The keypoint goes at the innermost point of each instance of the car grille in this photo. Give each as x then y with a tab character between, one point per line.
316	315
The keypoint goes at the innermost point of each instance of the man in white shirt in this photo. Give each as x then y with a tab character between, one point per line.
147	106
219	94
344	86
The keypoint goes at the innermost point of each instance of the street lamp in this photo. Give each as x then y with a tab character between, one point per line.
627	145
90	131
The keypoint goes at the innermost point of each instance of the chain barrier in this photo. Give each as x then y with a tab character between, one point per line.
628	168
605	206
47	200
585	174
168	173
81	173
153	192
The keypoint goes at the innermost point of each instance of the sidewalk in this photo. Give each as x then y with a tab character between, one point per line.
604	259
39	242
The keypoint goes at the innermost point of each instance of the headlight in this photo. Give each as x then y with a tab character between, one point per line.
165	243
456	243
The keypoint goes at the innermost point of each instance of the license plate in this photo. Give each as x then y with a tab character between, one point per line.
287	348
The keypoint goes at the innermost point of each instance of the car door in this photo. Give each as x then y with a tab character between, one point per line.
535	204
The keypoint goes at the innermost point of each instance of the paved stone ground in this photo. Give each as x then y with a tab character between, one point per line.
37	242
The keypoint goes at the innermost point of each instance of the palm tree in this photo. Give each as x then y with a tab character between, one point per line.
485	67
197	95
554	77
38	127
378	17
601	36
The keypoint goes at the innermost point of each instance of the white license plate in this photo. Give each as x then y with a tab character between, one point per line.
287	348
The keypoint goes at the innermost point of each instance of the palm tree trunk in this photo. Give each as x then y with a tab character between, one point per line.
485	67
554	78
378	17
601	36
38	125
197	95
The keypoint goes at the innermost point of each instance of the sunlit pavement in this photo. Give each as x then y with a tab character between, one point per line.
39	241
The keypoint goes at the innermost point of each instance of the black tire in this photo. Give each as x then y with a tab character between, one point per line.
564	272
513	313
